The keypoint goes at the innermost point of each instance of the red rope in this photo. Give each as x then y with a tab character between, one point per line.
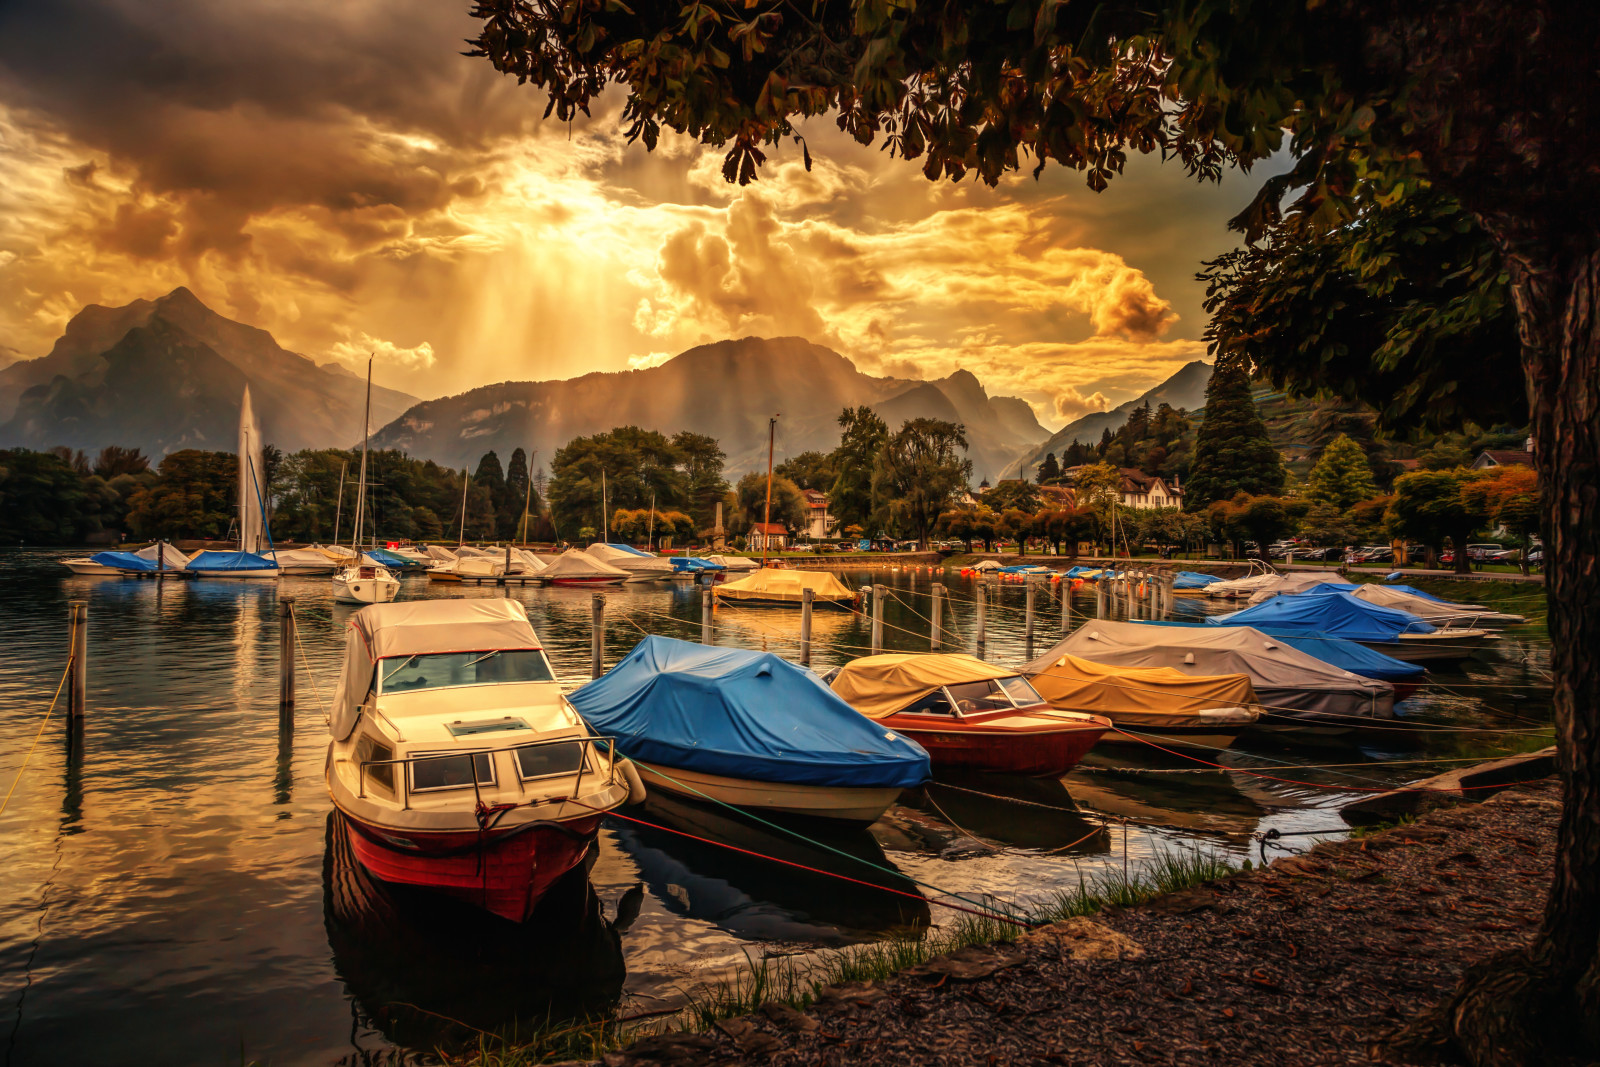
814	870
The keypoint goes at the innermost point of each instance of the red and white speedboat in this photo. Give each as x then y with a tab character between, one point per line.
967	714
456	759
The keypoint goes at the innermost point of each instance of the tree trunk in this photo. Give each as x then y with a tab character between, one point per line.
1542	1004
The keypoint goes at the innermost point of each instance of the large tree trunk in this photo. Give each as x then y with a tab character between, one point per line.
1542	1004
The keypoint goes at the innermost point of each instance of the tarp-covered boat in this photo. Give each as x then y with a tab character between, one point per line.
1168	707
1346	655
156	557
641	566
735	563
786	588
1295	690
1193	581
304	562
968	714
1298	582
231	565
456	758
577	567
1439	612
1329	610
750	729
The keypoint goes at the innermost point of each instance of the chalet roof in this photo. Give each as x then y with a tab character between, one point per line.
815	498
768	528
1507	457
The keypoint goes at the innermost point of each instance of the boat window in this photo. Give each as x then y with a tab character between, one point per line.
449	771
978	697
542	761
1022	691
440	669
369	750
935	703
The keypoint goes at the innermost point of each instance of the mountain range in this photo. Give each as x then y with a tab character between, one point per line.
166	374
726	390
1186	389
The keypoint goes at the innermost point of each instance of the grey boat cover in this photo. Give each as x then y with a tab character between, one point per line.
576	563
1288	682
1295	582
630	560
1438	612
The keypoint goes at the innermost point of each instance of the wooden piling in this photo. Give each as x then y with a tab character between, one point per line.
705	616
878	592
806	598
78	649
286	625
1100	595
597	635
981	606
937	616
1030	588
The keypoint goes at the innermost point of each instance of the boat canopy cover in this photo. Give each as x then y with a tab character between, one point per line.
388	559
1348	655
1300	583
1194	580
1080	571
1074	684
1283	676
230	561
468	552
772	583
742	714
305	557
734	563
878	686
530	563
1024	568
695	564
420	627
1426	607
439	553
630	559
623	550
986	565
1329	611
576	563
1414	591
145	559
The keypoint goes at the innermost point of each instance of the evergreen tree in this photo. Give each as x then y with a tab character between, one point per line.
1049	470
1342	476
516	492
863	438
1105	442
1232	453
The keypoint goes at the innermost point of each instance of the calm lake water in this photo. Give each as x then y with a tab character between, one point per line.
175	892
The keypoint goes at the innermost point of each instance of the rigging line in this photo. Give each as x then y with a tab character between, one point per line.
29	755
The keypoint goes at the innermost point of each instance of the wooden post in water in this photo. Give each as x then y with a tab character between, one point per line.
286	623
597	635
807	596
937	616
78	649
508	562
877	618
1030	587
981	605
1100	598
705	616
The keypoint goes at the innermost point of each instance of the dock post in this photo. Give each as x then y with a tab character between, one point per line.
877	618
508	564
981	606
806	597
597	636
705	616
937	615
1066	603
1030	589
286	624
1100	598
78	649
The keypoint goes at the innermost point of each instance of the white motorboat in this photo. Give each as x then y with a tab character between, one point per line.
641	566
85	565
1451	643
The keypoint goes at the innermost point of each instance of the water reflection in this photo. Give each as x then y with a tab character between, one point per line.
1204	801
1032	813
757	899
426	971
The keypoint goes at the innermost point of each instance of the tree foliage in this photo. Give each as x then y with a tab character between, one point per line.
1342	476
862	438
1435	506
788	503
1232	452
919	469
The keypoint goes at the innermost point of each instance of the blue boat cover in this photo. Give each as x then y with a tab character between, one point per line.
1194	580
1024	568
1334	612
123	561
1357	659
742	714
694	563
389	559
231	561
631	551
1077	571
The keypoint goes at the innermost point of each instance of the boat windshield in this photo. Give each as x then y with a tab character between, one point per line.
994	694
440	669
1022	691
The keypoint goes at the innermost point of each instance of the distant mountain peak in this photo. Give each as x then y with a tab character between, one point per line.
1186	389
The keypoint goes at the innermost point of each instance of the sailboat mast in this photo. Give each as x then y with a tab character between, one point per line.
361	486
527	498
766	519
605	519
338	509
461	539
650	541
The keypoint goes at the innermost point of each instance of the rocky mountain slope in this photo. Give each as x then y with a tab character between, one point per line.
1185	389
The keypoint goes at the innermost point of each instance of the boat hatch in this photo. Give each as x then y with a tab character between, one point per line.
486	726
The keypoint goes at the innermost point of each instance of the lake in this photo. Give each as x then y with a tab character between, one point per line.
176	893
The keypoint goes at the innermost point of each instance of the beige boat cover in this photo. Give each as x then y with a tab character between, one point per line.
1291	583
1074	684
1440	613
576	563
772	583
735	563
419	627
877	686
631	562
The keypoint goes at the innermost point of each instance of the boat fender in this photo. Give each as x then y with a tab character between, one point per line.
630	774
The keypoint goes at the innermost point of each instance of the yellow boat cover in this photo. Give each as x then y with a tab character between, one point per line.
877	686
1075	684
772	583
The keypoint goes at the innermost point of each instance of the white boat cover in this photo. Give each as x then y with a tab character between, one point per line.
576	563
986	565
419	627
630	560
169	557
439	554
1438	612
1286	680
468	552
735	563
1297	582
304	559
1245	586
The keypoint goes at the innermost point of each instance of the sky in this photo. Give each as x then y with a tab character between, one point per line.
339	174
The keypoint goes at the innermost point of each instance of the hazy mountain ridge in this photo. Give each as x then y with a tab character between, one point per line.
1186	389
726	390
166	374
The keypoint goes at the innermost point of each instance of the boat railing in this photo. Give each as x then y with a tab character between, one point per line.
403	791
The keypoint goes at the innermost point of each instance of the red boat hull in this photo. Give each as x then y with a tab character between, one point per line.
505	871
977	746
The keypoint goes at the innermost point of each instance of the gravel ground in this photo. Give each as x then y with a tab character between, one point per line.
1309	961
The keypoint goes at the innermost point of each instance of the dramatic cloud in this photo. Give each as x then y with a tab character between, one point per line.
340	175
1069	404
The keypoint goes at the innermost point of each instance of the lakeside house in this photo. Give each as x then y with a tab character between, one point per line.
1140	490
766	537
819	524
1491	457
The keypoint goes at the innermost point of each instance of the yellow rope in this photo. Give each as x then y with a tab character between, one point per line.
312	678
59	686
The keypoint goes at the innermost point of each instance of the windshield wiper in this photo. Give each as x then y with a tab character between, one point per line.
485	656
403	665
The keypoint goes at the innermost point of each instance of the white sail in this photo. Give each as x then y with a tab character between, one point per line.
252	493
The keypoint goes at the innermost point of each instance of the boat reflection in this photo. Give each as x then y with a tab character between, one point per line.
1205	801
429	972
1032	813
758	899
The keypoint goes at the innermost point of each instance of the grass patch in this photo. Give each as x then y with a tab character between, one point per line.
796	981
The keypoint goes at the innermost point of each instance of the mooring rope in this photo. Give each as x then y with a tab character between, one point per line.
29	755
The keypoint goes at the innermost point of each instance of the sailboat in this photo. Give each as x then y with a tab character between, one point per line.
254	538
365	580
